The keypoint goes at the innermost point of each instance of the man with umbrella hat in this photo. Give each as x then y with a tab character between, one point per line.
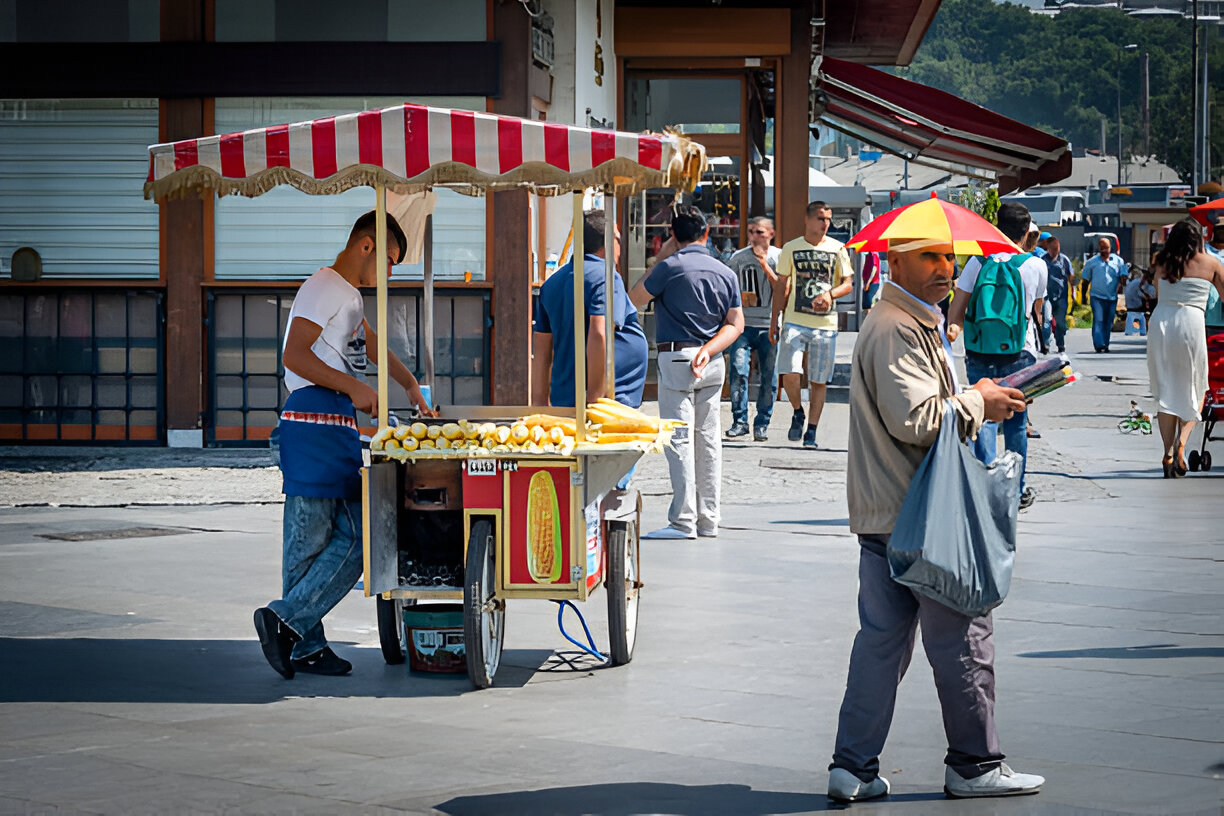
900	378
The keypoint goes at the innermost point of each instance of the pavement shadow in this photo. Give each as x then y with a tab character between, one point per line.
106	670
630	798
841	522
1154	650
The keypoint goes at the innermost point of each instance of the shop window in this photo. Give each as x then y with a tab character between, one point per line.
36	21
79	366
247	330
353	21
287	235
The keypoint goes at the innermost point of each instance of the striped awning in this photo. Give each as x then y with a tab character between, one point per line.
929	126
409	148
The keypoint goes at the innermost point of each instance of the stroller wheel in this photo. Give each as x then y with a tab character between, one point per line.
1193	460
1205	464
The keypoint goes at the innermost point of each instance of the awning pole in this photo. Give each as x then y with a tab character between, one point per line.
427	318
609	301
580	392
380	248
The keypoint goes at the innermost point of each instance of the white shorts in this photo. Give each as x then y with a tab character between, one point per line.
821	348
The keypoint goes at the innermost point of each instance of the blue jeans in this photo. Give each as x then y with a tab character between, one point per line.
321	562
1103	310
1015	430
740	354
1058	317
1133	316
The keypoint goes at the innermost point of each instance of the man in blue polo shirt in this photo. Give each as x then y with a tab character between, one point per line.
698	315
552	363
1104	271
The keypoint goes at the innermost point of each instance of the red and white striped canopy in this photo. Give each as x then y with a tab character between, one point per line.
408	148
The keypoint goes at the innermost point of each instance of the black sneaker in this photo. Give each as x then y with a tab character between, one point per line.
737	429
809	437
797	422
324	661
276	639
1027	498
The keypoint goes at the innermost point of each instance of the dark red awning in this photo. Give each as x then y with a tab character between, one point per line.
929	126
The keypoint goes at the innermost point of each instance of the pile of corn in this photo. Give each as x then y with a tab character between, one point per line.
608	422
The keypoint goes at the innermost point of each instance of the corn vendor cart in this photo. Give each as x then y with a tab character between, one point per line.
483	503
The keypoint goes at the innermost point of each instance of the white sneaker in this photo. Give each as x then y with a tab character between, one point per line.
1002	781
669	532
846	787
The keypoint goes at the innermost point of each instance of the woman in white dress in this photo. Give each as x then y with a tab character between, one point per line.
1177	337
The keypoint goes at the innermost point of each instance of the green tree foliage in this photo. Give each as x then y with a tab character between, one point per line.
1058	73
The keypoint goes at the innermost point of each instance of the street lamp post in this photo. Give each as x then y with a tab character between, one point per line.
1118	83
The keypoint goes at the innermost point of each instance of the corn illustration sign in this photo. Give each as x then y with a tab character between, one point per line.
543	530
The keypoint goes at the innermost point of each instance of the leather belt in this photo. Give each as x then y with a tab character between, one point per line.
683	344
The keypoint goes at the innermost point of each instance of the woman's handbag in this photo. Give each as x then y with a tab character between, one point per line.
955	538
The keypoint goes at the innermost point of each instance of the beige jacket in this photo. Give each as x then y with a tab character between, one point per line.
898	383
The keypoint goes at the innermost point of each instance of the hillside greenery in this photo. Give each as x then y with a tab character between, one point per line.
1058	73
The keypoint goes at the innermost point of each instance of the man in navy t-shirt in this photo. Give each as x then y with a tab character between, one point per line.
552	364
698	315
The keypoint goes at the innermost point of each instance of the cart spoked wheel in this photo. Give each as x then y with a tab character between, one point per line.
1192	461
623	590
1205	461
391	628
484	617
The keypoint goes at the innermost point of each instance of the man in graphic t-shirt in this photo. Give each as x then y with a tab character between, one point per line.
756	266
813	272
326	347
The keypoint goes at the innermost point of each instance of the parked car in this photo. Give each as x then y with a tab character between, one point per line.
1051	208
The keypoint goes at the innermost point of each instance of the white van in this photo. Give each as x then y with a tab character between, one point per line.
1052	208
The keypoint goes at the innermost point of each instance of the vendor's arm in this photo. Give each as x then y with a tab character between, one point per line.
596	358
299	357
732	327
399	372
541	367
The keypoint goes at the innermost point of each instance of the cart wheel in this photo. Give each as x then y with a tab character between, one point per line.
1205	464
1192	461
391	628
622	589
484	617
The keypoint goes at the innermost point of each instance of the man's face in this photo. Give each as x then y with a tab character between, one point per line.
817	225
1104	248
760	235
1053	247
926	273
369	271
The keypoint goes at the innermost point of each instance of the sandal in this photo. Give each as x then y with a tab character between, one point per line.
1167	464
1179	465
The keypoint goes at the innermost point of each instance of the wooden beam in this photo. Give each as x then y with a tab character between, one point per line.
706	32
509	241
791	131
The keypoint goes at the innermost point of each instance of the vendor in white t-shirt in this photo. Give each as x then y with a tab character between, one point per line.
326	348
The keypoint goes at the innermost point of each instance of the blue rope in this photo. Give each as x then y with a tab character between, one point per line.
591	650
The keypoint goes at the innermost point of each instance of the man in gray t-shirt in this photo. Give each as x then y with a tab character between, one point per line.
756	267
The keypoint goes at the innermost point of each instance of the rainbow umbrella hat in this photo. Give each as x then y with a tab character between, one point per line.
1203	213
934	218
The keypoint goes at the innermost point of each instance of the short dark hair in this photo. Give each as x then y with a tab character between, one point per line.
1013	220
688	223
594	222
365	226
816	206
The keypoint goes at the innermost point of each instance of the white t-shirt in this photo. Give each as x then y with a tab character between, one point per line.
328	300
1032	275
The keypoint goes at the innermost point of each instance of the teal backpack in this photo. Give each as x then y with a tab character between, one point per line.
995	321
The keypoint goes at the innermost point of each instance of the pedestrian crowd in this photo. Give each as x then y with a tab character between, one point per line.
714	315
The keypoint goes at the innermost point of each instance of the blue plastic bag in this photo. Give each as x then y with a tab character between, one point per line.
955	537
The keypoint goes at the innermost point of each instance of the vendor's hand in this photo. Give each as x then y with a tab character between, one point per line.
823	303
953	332
418	399
364	398
700	361
1001	402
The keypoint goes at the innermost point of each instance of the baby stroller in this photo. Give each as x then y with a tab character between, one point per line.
1213	408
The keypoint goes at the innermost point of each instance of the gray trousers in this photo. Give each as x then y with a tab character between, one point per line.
694	459
961	653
